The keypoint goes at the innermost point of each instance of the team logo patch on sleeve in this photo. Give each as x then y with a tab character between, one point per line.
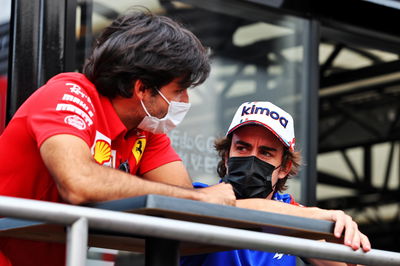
138	149
102	152
75	121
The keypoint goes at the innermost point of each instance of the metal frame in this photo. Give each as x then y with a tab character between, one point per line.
360	109
79	219
310	112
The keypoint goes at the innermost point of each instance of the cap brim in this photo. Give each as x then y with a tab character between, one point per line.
254	122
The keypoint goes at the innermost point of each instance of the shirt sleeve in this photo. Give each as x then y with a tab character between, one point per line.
286	198
293	202
199	185
61	107
158	152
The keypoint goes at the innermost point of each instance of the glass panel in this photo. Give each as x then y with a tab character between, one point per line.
5	12
252	60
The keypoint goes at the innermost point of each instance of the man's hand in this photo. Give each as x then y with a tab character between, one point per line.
344	223
221	193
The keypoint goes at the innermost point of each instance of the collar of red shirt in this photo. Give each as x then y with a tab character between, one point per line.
116	126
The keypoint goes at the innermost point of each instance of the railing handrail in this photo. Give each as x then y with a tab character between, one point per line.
79	219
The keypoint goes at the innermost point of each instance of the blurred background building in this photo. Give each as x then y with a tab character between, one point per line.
334	65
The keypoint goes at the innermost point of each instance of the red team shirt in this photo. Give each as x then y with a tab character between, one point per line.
67	104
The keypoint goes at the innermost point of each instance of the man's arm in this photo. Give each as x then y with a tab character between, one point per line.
176	175
80	179
343	222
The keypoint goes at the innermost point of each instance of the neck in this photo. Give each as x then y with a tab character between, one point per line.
270	195
126	111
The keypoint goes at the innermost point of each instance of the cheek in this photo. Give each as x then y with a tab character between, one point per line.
161	109
234	154
231	153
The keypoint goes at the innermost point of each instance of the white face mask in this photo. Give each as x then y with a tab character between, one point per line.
175	115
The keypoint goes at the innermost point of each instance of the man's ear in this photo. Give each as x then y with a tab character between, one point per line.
284	171
138	89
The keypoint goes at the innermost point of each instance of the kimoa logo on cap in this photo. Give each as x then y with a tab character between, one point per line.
254	110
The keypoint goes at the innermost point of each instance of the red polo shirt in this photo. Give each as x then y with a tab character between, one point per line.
67	104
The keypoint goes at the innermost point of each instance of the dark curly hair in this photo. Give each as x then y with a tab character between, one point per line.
223	146
150	48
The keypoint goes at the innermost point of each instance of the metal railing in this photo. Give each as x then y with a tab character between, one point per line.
80	219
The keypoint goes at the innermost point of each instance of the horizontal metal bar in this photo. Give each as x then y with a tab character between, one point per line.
120	222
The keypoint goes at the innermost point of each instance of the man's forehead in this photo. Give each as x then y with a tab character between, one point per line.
252	130
251	133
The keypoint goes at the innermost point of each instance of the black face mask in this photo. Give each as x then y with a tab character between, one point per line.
249	176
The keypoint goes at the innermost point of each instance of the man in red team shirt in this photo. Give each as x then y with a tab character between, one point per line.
100	135
66	141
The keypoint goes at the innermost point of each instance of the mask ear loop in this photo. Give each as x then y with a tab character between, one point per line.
145	109
159	92
289	165
274	186
273	189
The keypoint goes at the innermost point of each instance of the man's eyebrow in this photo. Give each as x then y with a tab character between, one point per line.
246	144
241	142
266	148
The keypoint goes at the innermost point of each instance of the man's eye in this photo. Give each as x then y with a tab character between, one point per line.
266	153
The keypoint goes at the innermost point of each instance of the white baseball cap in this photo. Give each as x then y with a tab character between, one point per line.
268	115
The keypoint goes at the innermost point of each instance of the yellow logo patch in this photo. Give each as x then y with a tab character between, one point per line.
102	152
138	149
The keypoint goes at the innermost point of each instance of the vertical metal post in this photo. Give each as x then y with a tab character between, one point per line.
77	243
51	50
4	44
161	252
40	33
309	112
367	165
23	53
84	43
70	36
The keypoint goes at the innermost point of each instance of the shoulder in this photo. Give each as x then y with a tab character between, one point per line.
70	76
76	83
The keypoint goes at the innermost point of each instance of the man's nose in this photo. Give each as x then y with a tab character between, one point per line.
253	152
184	97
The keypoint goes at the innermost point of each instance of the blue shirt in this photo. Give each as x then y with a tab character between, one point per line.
242	257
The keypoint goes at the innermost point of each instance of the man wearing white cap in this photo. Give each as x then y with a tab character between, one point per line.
257	157
256	124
